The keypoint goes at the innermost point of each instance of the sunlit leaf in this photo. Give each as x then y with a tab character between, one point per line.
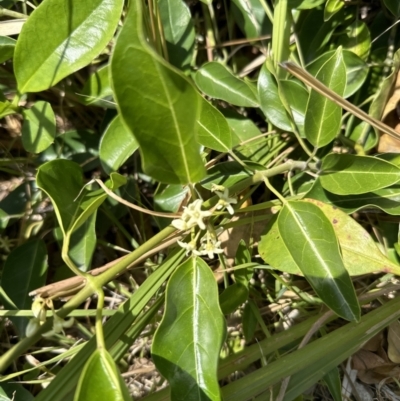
216	81
214	131
7	46
311	241
359	251
62	181
178	30
357	39
158	104
356	70
117	145
332	7
345	174
100	379
190	364
80	30
39	127
323	117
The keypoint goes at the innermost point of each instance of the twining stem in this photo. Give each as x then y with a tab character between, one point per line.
13	14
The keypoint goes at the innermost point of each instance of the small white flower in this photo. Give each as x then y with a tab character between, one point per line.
191	216
189	246
225	201
210	247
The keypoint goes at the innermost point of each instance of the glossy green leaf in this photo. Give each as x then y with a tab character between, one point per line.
315	34
62	181
243	129
158	104
7	46
251	18
232	297
308	365
80	30
393	6
386	199
297	97
323	117
357	39
356	70
281	30
117	145
101	380
97	90
304	4
24	270
364	134
359	251
39	127
83	243
226	174
270	101
213	129
332	7
249	322
311	241
190	364
216	81
345	174
178	31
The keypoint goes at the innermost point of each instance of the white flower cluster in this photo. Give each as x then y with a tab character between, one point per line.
39	311
209	246
192	215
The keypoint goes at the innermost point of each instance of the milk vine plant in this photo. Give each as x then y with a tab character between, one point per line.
220	147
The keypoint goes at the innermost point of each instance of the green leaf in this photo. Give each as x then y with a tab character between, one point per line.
331	8
59	38
386	199
357	39
323	117
191	314
101	380
178	31
270	101
249	322
24	270
39	127
7	46
97	90
311	241
297	97
216	81
83	243
214	131
117	145
158	104
356	70
393	6
251	18
232	297
304	4
359	251
345	174
226	174
62	181
243	256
